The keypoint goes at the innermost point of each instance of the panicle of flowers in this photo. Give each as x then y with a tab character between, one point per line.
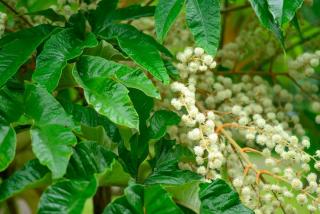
303	70
220	113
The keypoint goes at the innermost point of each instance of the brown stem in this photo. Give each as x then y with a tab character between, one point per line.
13	10
101	199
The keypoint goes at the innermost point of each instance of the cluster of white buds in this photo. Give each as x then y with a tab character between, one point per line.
252	42
3	21
303	70
220	113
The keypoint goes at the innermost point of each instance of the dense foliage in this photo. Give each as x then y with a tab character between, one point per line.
168	106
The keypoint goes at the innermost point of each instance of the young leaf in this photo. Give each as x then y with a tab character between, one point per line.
67	196
218	197
266	19
108	98
52	136
119	205
159	122
31	175
16	49
203	19
7	146
136	44
60	48
130	77
283	11
165	15
88	159
157	200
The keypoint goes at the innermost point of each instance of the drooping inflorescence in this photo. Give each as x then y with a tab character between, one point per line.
231	122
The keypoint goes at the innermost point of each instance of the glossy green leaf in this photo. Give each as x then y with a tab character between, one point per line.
67	196
187	194
88	159
134	194
283	11
218	197
203	19
16	49
133	12
52	136
159	122
52	144
44	109
139	147
60	48
165	15
93	67
165	166
157	200
266	19
172	70
49	14
139	47
119	205
109	98
31	175
100	18
89	117
7	146
11	96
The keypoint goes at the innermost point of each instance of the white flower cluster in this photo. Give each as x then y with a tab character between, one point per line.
303	69
3	21
252	42
220	113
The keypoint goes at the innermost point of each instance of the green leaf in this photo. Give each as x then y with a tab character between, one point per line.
159	122
139	47
105	50
11	96
186	194
157	200
100	18
60	48
67	196
172	70
134	194
203	19
52	144
130	77
52	136
89	117
119	205
283	11
49	14
133	12
7	146
165	166
139	146
218	197
266	19
165	15
109	98
16	48
29	176
44	109
88	159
